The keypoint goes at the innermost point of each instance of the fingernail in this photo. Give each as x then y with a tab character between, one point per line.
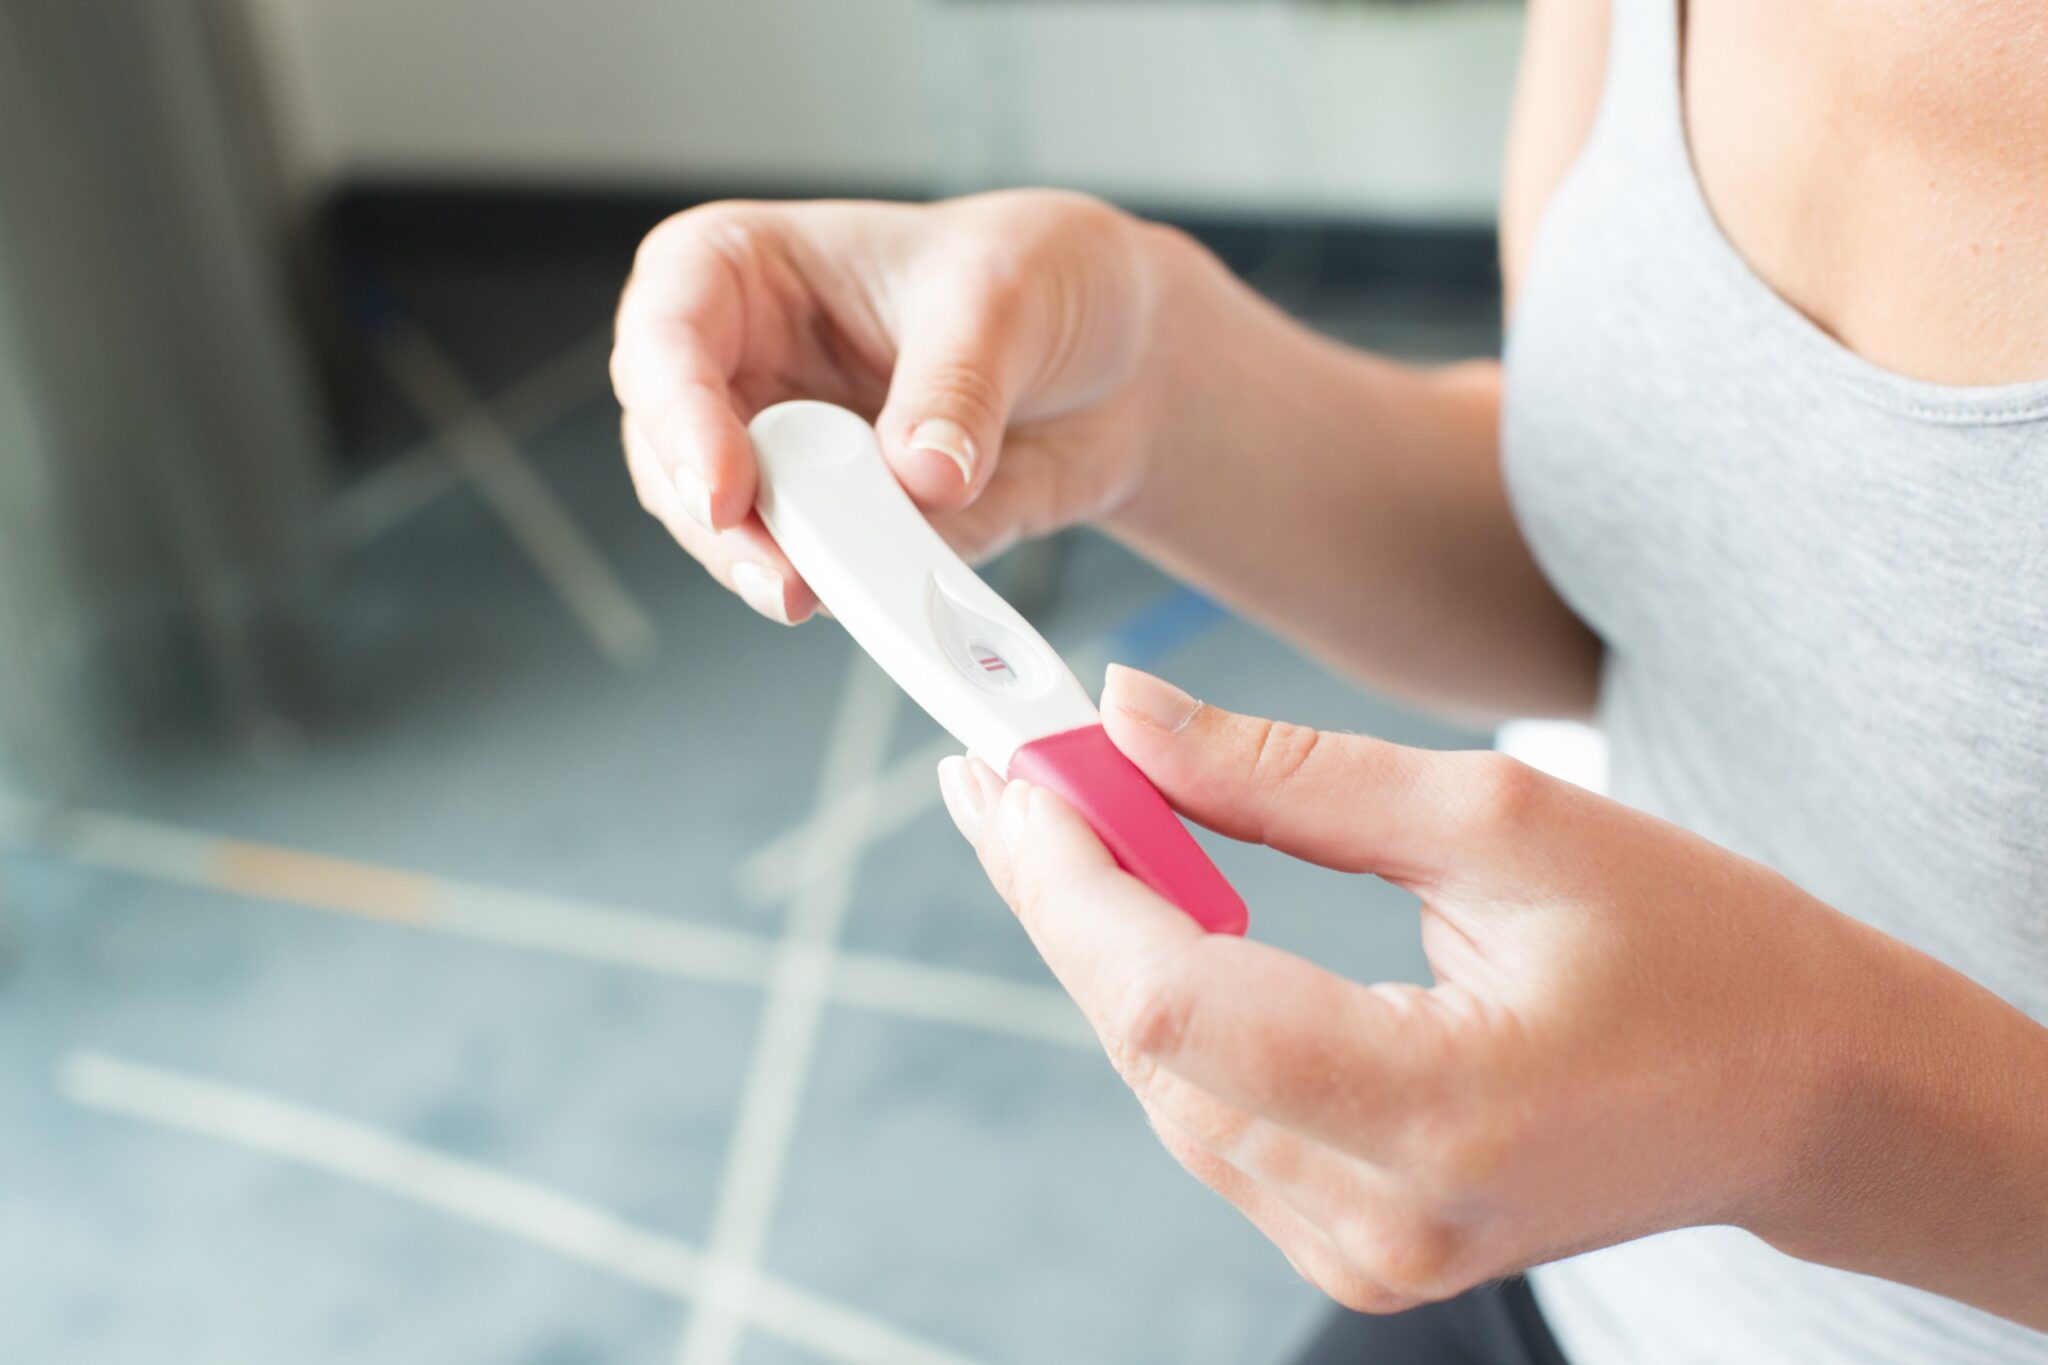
949	439
760	590
1012	813
695	494
1153	700
962	795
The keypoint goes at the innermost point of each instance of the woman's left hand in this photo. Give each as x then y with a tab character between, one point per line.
1632	1029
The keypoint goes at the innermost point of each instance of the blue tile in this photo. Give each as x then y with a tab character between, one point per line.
1006	1199
606	1083
1000	1196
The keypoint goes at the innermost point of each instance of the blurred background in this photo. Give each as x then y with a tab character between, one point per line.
436	924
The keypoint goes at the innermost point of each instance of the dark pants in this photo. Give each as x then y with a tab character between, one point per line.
1495	1324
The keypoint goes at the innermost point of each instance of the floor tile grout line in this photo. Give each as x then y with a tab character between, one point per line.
512	1206
491	460
414	478
533	922
778	1070
894	798
807	969
945	995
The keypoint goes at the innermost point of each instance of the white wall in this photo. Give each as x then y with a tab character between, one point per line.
1310	105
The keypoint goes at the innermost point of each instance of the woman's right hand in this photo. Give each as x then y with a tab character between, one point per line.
1002	345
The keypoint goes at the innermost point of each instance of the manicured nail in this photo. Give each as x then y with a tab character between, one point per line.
1013	813
949	439
962	795
760	590
694	493
1153	700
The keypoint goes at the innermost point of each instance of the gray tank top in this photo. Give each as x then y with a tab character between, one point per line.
1824	593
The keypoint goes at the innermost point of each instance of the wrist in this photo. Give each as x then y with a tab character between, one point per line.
1232	380
1844	1080
1194	390
1920	1131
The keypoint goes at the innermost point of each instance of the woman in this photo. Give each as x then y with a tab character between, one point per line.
1762	484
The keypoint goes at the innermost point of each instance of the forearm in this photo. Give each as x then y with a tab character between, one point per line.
1929	1160
1352	504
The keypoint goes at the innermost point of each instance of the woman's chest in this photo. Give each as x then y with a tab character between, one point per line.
1823	585
1883	165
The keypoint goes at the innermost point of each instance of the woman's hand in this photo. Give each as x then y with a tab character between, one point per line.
1631	1030
1033	359
998	342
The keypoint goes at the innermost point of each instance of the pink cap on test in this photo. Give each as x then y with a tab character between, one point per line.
1133	821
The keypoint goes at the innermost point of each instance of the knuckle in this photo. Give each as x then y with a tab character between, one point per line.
662	241
1458	1137
1088	211
1468	1153
620	366
1203	1122
1360	1293
1014	241
1280	751
969	388
1060	217
1000	273
1039	215
1230	1132
1412	1254
686	230
642	368
1500	793
1138	1070
739	232
1150	1017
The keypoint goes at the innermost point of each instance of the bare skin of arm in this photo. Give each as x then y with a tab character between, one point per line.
1630	1029
1383	541
1098	368
1594	1062
1353	504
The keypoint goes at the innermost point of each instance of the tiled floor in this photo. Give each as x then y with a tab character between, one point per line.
463	1086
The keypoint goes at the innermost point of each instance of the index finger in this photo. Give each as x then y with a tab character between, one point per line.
677	344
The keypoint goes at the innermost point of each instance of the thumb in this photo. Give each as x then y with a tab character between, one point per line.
957	371
1345	801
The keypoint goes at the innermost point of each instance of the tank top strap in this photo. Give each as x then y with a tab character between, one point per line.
1641	114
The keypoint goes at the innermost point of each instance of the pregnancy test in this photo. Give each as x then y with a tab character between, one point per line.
961	652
